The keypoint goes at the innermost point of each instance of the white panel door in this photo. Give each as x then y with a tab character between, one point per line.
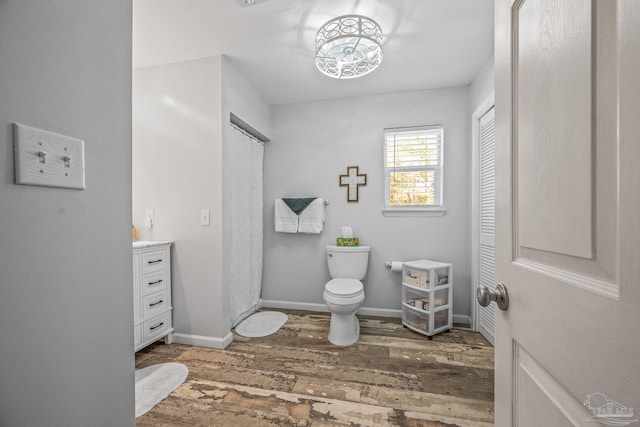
487	213
567	212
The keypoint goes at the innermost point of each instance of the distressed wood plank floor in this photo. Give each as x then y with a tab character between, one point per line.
391	377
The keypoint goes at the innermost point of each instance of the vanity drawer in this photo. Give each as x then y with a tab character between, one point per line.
156	327
154	282
154	260
151	292
155	303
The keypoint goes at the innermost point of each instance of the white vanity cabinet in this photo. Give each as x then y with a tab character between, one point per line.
427	296
151	293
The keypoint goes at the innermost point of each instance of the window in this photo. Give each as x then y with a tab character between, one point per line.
413	169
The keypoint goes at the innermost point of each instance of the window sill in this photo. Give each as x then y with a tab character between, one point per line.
413	211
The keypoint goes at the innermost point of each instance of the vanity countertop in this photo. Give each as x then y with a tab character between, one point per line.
149	243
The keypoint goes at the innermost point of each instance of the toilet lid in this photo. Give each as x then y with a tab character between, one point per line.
344	287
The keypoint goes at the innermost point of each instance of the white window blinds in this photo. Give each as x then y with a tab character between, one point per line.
413	167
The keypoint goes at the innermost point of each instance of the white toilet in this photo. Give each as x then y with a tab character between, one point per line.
344	293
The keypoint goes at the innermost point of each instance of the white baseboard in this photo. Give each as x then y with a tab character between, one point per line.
366	311
289	305
462	319
203	341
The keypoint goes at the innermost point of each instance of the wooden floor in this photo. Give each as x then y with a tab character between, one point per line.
391	377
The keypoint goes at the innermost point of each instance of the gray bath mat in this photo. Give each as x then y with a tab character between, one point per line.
261	324
155	383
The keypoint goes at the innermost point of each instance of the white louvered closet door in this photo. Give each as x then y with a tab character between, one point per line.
487	220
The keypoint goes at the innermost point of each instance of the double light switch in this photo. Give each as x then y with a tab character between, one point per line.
47	159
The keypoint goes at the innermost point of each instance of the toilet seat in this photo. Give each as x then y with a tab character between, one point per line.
343	292
343	288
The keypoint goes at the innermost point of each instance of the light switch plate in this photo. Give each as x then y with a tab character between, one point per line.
47	159
149	218
205	217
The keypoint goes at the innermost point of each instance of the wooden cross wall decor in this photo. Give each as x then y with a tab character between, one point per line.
353	180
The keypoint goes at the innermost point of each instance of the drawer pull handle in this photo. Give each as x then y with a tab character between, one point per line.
153	304
157	326
156	282
154	261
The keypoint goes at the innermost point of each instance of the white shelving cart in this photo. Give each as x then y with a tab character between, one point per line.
426	296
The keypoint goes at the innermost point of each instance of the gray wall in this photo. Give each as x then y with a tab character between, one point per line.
482	85
66	357
181	116
177	172
313	143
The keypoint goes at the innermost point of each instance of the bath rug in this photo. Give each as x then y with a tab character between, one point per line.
154	383
261	324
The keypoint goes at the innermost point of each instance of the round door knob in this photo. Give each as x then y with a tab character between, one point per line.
500	296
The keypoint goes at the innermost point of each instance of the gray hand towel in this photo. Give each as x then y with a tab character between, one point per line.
298	204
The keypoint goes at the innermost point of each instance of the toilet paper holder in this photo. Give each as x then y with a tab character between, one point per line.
393	265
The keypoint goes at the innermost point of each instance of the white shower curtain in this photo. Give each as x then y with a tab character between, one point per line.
246	157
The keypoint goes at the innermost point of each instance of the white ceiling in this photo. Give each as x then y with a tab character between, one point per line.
427	43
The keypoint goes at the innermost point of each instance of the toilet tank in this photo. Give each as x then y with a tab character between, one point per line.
348	262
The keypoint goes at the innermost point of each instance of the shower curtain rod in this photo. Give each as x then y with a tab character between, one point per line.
246	127
245	133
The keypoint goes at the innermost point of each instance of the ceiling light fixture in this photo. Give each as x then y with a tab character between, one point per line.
349	46
247	3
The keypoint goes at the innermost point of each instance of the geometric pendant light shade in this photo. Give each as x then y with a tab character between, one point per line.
349	46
